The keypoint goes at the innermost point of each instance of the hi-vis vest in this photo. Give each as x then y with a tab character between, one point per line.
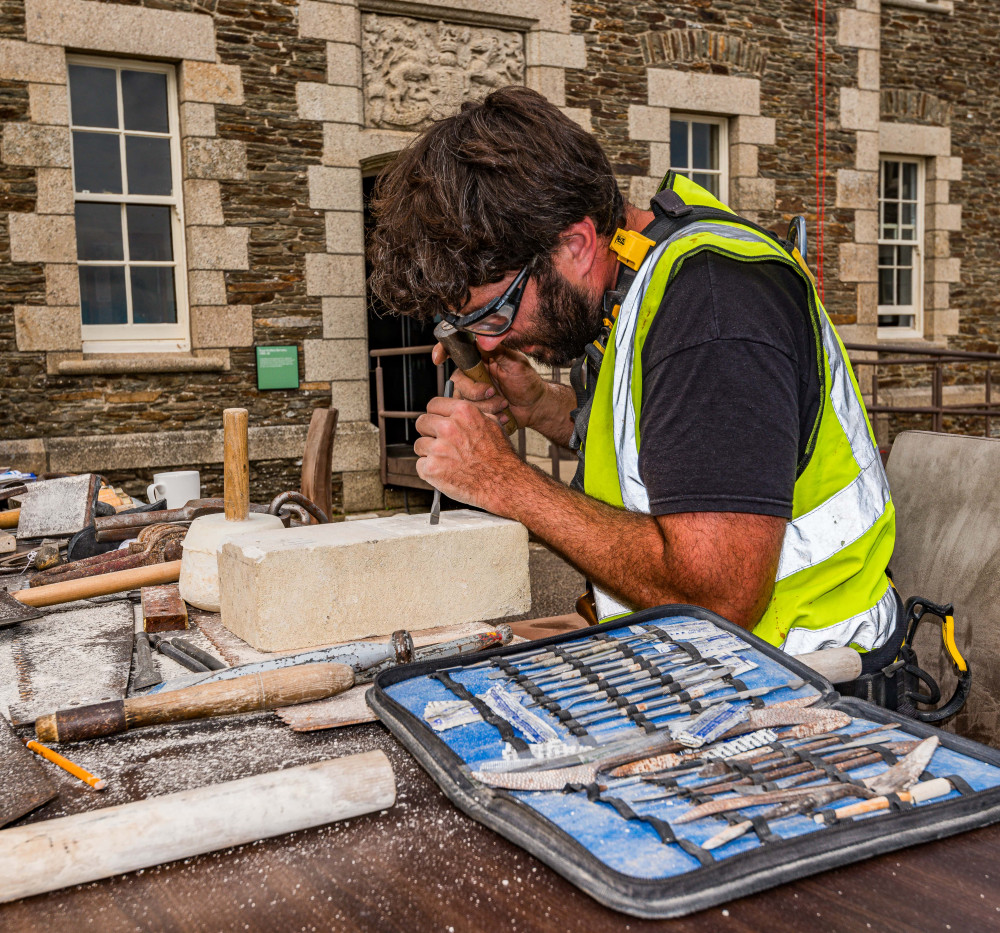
831	588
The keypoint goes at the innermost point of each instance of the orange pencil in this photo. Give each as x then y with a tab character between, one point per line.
67	765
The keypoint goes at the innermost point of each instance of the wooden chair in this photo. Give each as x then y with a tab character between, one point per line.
317	460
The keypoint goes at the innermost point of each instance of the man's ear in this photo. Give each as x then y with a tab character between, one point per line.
580	245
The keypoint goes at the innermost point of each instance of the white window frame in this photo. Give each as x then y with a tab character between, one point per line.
142	338
723	169
916	308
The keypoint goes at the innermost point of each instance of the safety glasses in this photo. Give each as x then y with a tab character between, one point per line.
496	316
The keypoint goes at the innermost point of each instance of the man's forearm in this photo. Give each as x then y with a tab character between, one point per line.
552	416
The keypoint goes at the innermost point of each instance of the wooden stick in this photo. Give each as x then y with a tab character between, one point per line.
265	690
925	790
837	665
120	581
85	847
10	518
236	478
67	765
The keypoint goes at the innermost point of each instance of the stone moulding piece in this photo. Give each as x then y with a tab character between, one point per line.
702	46
904	106
417	71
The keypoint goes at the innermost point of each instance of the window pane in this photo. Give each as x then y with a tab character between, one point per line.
153	295
93	96
709	182
895	320
679	143
904	256
890	218
102	295
909	220
886	255
909	170
97	163
885	291
99	232
148	233
144	98
704	145
148	163
904	287
890	180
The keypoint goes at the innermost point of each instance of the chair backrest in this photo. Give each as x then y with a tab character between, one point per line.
946	489
317	459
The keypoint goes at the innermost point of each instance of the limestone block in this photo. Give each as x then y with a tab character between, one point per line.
345	232
866	226
45	328
944	270
334	275
914	139
859	110
857	189
642	188
345	317
218	247
937	295
26	144
350	578
203	203
337	22
335	359
28	454
938	191
343	64
340	144
206	287
356	447
549	82
858	262
362	490
753	131
209	83
753	194
581	116
938	244
222	326
703	93
867	303
62	284
224	159
555	49
350	398
334	189
373	143
55	191
328	103
743	160
868	70
941	323
858	30
49	104
943	217
866	152
25	61
197	119
946	168
126	30
649	123
659	159
42	238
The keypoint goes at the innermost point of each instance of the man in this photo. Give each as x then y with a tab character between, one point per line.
728	459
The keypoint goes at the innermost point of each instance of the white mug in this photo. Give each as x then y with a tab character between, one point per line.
178	488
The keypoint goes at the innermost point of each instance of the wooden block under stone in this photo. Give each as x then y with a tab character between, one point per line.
295	588
163	610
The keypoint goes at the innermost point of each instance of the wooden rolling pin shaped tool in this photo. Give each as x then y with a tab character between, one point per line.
462	349
266	690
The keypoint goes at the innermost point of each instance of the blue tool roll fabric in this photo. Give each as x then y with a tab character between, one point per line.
671	761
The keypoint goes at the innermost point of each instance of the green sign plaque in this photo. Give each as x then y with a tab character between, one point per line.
277	367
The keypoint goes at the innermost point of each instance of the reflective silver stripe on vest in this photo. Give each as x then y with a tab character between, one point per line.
868	630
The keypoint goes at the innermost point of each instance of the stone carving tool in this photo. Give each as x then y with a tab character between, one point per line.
145	674
120	581
449	391
13	611
25	785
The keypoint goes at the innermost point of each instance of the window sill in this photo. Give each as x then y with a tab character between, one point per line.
930	6
124	363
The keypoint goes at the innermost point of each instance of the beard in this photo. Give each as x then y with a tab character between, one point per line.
568	318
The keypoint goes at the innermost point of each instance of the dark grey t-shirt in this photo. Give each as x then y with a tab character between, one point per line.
730	389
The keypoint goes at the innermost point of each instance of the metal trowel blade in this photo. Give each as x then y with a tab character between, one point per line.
13	611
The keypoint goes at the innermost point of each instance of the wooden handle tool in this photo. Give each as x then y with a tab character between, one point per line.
464	353
266	690
120	581
236	477
9	518
924	790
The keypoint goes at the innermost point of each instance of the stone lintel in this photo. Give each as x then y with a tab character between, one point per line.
703	93
914	139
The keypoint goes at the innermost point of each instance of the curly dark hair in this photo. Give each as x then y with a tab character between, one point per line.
481	193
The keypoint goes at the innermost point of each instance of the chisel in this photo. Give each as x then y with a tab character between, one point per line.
449	391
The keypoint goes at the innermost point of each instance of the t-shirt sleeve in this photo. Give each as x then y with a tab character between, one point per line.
723	386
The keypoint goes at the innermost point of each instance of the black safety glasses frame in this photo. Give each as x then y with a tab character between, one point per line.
496	316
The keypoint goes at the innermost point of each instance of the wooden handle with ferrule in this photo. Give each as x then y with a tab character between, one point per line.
102	584
286	686
236	480
837	665
9	519
924	790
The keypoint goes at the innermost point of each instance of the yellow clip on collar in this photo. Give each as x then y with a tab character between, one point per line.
631	247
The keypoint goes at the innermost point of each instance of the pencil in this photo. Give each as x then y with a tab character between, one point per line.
67	765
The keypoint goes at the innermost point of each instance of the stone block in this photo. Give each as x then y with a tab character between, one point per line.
938	191
944	270
470	567
328	103
345	232
549	82
222	326
362	490
696	92
641	189
859	110
28	454
345	317
218	247
858	30
343	64
351	400
197	119
914	139
206	287
941	323
581	116
753	194
340	144
943	217
49	104
858	262
752	131
334	275
26	144
224	159
328	360
946	168
866	226
334	189
867	303
857	189
208	83
356	447
938	244
554	49
26	61
203	203
125	30
45	328
659	159
937	295
867	152
336	22
650	124
373	144
42	238
743	160
62	284
868	70
55	191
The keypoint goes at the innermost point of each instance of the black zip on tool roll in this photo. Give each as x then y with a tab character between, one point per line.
500	724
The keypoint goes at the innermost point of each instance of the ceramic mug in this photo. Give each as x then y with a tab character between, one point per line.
178	488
